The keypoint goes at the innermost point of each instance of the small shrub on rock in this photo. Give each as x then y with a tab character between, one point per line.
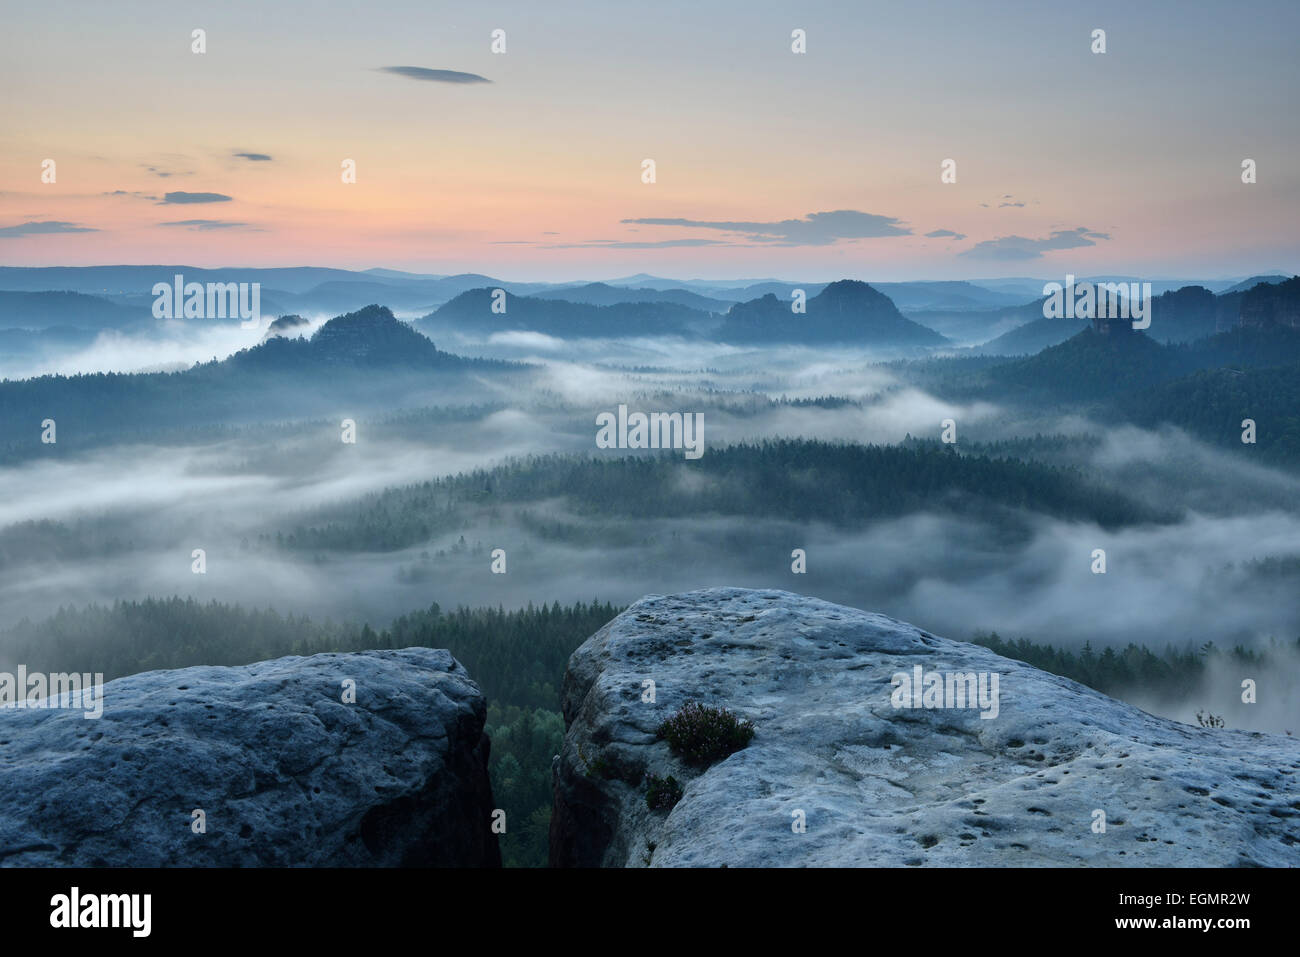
702	735
662	794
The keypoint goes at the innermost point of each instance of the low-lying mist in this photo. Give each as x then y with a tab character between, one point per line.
126	518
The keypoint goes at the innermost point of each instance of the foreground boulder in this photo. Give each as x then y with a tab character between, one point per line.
283	770
872	784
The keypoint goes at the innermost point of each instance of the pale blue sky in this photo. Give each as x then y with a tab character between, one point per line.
537	173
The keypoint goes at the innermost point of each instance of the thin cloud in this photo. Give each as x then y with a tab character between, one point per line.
43	228
639	244
204	224
183	198
165	173
942	233
1013	248
815	229
434	76
254	157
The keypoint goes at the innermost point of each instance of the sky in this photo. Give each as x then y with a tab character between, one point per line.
528	164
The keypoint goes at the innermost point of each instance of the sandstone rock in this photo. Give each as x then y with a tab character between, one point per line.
886	786
285	772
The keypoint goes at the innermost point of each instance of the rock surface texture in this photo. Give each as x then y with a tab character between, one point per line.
884	786
284	771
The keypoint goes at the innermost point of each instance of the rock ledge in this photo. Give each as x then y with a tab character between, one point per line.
284	771
886	786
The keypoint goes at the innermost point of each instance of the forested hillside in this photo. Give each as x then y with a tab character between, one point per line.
849	485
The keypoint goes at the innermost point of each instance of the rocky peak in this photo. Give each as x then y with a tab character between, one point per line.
1272	305
872	783
371	334
285	771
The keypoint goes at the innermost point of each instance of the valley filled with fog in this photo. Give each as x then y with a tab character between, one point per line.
1201	538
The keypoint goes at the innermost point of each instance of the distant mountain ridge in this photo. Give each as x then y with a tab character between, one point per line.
477	311
1034	336
1247	284
365	361
846	311
954	296
1092	366
603	294
1177	315
968	311
42	310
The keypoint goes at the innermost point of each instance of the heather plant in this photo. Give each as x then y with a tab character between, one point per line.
702	735
662	794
